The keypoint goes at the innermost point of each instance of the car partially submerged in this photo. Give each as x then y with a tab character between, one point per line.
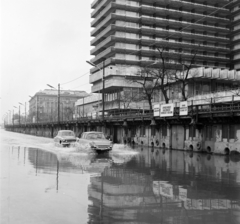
65	138
95	141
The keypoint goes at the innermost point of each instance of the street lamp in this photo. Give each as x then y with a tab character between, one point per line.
13	114
25	110
103	84
20	113
58	100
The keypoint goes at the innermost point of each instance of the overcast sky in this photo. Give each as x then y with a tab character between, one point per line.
43	42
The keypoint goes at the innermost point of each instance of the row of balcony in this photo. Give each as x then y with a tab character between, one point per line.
161	11
149	42
111	51
158	21
160	33
162	3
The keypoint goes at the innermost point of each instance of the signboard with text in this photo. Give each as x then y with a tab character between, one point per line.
166	110
183	109
156	110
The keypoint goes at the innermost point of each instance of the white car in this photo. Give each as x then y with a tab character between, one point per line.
96	141
65	138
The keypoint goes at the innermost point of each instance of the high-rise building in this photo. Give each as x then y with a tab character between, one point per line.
127	34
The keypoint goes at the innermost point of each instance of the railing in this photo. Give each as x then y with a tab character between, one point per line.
220	107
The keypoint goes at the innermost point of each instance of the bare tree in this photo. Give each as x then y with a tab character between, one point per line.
129	96
149	83
183	71
172	68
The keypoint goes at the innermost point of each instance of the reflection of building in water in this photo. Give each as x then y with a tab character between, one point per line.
212	166
163	187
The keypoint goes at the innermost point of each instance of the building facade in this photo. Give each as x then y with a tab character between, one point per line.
235	36
43	106
127	34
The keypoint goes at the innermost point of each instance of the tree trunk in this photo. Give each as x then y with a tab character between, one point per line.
165	96
150	101
183	92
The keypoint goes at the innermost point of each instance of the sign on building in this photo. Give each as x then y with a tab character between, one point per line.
183	109
166	110
156	110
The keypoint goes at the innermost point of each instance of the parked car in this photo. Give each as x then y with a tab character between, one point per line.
65	138
95	141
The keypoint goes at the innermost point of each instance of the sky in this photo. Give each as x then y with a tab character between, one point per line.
43	42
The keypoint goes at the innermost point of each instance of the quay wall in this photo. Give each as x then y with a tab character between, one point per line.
217	136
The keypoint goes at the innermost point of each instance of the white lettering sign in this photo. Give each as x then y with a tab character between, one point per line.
166	190
156	110
183	110
166	110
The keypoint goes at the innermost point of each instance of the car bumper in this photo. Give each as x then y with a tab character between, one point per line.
102	148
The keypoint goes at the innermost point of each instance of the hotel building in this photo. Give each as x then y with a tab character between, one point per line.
126	35
235	36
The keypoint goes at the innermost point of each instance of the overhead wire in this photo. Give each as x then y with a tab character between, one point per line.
74	79
205	16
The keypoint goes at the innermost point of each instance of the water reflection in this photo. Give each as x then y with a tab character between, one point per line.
152	186
162	186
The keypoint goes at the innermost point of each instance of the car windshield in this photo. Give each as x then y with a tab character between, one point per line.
95	136
67	133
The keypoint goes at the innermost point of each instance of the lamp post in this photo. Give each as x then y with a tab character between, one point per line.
19	113
9	116
103	84
25	110
58	100
13	114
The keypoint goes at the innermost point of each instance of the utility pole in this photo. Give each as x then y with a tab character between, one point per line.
103	90
19	115
25	114
37	107
103	84
58	104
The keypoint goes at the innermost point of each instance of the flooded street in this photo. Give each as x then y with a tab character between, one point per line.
42	183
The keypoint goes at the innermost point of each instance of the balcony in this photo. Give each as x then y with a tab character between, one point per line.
197	16
190	5
112	84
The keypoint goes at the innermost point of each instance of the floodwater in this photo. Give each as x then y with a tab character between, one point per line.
42	184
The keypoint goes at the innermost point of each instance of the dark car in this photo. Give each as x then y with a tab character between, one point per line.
65	138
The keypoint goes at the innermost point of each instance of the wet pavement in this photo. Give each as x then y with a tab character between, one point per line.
41	183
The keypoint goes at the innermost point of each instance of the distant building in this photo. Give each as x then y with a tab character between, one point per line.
43	106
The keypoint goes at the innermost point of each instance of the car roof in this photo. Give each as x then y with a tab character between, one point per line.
65	130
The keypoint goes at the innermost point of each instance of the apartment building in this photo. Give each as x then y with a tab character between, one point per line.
127	33
43	106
